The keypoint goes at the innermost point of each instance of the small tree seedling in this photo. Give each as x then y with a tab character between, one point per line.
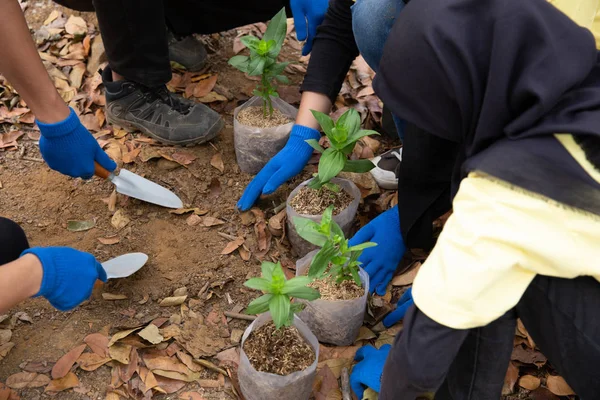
343	135
278	293
263	60
335	252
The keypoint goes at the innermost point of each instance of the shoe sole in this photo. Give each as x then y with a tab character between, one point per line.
132	127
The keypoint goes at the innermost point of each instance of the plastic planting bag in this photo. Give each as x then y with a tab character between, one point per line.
255	146
257	385
335	322
344	219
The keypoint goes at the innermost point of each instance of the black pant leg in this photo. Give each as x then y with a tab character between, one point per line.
561	315
12	241
135	38
185	17
478	371
77	5
420	357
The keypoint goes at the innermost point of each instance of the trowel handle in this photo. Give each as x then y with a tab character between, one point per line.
101	171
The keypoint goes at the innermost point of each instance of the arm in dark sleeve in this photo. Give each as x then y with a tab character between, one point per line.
424	184
333	51
420	358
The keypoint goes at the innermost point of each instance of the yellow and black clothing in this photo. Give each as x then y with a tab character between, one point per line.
514	86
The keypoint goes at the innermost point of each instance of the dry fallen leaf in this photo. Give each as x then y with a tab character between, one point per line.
76	26
151	334
211	221
121	335
365	334
510	379
172	301
148	153
5	336
76	76
215	187
528	356
183	157
187	360
212	97
98	343
113	296
119	220
407	278
130	156
325	382
277	223
120	352
529	382
181	211
5	349
193	220
217	162
244	253
66	362
67	382
557	385
109	240
204	87
26	379
232	246
80	226
91	361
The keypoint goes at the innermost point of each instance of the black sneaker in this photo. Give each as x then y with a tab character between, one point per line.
158	113
187	51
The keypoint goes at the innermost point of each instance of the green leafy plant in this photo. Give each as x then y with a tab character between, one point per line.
343	135
336	258
278	293
263	60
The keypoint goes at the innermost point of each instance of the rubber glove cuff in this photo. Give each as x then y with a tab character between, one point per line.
303	133
62	128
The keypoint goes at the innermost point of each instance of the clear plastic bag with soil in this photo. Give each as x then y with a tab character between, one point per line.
256	385
334	322
255	146
344	218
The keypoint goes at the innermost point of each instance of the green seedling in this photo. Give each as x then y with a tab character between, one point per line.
263	60
336	258
278	293
343	135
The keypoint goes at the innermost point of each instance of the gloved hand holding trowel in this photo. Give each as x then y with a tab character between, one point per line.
62	275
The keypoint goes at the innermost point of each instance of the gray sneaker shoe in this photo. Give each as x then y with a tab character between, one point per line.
187	51
386	168
158	113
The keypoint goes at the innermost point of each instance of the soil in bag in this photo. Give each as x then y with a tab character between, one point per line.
254	116
331	290
280	352
314	202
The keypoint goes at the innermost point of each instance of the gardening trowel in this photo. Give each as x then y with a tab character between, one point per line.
125	265
133	185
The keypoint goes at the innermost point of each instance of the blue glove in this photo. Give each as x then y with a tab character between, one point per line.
368	371
405	302
381	261
67	147
308	15
69	275
285	165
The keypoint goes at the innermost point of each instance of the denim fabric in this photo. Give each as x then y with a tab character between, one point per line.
372	21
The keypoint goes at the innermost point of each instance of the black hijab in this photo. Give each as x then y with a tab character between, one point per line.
478	71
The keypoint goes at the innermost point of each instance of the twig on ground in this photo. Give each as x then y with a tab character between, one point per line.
346	393
239	316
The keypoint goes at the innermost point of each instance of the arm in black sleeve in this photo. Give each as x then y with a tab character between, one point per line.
333	51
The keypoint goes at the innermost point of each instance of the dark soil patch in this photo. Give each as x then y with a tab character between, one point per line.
253	116
314	202
280	352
